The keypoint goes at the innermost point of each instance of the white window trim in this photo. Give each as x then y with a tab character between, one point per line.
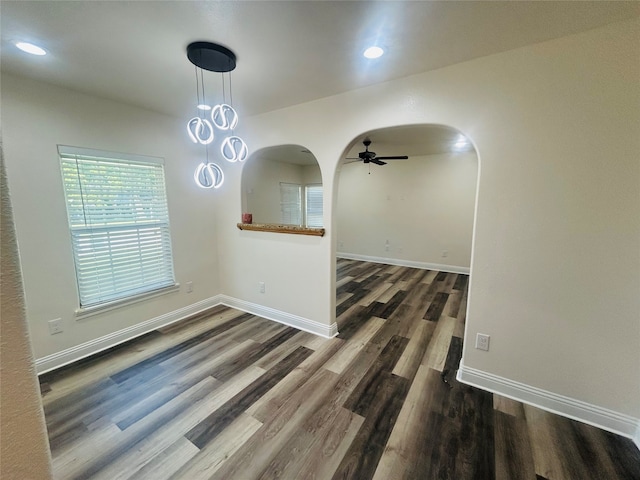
90	152
83	312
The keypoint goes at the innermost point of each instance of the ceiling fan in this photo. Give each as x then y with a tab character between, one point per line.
370	157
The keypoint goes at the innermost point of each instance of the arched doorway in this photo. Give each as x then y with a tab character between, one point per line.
404	229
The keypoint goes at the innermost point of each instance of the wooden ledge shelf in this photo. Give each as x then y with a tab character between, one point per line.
293	229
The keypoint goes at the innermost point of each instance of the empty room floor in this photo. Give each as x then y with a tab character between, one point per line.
229	395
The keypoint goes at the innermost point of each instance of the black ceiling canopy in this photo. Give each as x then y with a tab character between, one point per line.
211	56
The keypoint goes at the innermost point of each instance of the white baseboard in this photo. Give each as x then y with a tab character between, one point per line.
73	354
405	263
289	319
567	407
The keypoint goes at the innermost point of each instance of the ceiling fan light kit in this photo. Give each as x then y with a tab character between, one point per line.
221	117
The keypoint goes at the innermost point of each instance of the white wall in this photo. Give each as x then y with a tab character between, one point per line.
35	118
423	207
556	260
311	174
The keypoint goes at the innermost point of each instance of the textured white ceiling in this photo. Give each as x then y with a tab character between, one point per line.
288	52
410	140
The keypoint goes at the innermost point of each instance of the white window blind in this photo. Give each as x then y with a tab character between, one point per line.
290	204
313	205
119	223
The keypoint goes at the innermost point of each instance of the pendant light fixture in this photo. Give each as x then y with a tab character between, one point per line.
214	124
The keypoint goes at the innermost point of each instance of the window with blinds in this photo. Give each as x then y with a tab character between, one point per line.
290	204
119	222
313	205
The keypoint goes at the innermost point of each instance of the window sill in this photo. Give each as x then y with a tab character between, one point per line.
293	229
81	313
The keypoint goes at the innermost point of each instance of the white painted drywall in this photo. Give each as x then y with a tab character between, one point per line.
261	183
423	207
36	117
311	174
24	447
556	258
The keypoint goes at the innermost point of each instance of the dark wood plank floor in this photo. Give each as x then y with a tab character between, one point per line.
228	395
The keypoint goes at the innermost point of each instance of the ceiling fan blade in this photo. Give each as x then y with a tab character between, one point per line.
377	161
398	157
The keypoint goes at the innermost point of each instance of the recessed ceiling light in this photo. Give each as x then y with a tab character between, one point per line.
30	48
202	106
373	52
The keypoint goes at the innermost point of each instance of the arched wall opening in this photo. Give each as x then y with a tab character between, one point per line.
418	212
272	172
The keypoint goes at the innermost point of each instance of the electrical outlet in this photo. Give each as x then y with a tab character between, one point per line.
188	287
400	249
261	287
386	246
340	244
445	253
482	341
55	326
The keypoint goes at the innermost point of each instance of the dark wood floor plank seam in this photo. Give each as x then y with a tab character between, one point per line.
228	369
461	282
126	407
209	428
62	412
278	396
358	295
384	310
437	306
454	354
97	358
358	317
252	458
374	433
441	276
316	454
172	386
128	394
189	322
512	448
111	452
185	345
372	384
